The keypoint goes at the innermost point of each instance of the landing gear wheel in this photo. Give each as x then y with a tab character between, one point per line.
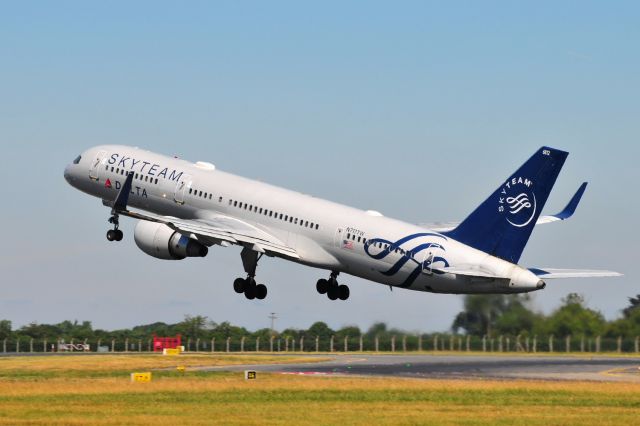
250	292
333	292
343	292
111	235
119	235
261	291
238	285
322	286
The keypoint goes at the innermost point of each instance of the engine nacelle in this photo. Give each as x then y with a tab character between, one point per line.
162	242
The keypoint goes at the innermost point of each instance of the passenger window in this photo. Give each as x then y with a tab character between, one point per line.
205	195
359	239
348	235
295	221
111	169
235	204
220	199
317	226
291	219
156	181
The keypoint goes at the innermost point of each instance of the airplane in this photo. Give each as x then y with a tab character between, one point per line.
184	208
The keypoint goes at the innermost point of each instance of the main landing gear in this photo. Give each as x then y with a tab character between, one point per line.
114	234
332	288
248	285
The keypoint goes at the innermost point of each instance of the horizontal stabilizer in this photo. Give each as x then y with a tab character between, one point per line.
568	211
565	214
551	273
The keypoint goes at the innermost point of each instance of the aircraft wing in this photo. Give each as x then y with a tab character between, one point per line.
223	230
551	273
565	214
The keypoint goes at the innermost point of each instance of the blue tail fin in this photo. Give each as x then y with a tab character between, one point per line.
502	224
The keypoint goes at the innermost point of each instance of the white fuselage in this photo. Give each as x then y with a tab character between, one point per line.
325	235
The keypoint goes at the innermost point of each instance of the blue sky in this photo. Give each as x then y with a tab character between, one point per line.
415	109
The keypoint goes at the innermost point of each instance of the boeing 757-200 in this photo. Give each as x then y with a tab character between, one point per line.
184	208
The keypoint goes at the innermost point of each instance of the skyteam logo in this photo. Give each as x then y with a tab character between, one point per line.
517	201
410	251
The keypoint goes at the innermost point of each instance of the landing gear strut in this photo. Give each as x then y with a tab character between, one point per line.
332	288
114	234
248	285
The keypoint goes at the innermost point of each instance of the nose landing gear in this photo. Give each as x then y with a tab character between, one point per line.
114	234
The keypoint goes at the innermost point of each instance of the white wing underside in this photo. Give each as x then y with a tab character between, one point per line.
222	230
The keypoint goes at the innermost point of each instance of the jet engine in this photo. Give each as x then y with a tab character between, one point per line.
162	242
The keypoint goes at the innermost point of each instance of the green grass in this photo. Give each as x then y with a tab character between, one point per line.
85	391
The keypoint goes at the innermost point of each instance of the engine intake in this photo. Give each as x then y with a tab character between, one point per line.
162	242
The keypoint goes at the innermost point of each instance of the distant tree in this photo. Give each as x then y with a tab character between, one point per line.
349	330
225	329
320	329
193	326
634	305
573	318
5	329
492	314
377	329
291	333
629	324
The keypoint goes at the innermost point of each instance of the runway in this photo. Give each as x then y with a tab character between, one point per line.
598	368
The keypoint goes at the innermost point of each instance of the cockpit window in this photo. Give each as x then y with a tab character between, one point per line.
77	160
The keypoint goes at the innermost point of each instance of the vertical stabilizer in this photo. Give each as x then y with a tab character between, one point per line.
502	224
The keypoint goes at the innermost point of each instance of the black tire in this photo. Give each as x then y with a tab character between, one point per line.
119	235
250	292
333	292
261	291
343	292
238	285
322	286
111	235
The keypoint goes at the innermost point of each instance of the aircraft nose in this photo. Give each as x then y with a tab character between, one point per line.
67	173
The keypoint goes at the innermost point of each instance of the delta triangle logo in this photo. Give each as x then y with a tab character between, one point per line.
107	184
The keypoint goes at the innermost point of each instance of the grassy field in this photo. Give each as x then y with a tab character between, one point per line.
97	390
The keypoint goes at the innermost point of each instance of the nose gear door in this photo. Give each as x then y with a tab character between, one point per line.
181	188
95	165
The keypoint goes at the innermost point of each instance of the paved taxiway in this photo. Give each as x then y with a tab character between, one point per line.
466	367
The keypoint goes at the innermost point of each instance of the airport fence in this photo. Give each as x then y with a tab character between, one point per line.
385	343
